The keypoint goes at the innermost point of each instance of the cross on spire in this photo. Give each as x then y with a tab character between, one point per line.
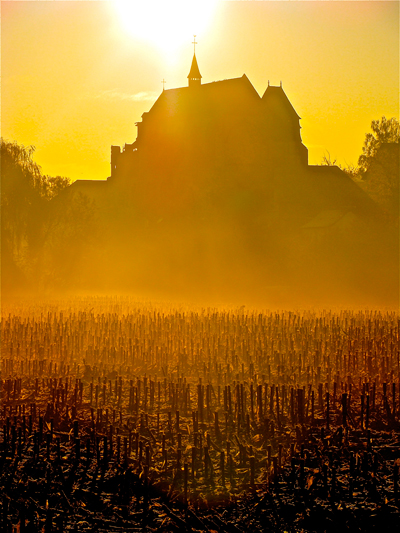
194	44
163	84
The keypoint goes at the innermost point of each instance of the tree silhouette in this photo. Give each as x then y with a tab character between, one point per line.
378	166
384	131
25	206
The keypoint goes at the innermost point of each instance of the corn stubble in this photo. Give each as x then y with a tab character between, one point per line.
146	419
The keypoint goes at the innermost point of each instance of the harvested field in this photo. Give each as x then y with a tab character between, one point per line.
121	417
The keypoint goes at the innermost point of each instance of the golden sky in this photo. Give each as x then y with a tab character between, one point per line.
77	75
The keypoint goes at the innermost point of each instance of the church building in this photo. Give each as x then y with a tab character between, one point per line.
217	142
223	122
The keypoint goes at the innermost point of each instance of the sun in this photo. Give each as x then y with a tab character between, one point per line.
167	24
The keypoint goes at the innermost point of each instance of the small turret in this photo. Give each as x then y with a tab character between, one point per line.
194	75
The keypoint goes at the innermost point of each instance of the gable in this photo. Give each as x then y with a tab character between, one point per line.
215	97
275	99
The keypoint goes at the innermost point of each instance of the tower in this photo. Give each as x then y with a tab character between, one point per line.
194	75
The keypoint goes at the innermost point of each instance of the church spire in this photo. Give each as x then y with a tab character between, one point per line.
194	74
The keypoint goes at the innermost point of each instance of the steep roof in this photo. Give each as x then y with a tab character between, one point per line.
217	95
194	69
275	97
338	191
242	83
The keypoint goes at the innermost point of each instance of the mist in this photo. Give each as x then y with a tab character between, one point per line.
214	202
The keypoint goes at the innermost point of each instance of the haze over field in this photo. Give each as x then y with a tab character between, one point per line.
215	191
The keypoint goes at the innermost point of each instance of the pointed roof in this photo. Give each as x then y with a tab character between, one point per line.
194	69
215	96
277	98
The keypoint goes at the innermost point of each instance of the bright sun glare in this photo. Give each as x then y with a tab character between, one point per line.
168	24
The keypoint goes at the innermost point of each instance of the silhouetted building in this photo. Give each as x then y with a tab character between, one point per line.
217	142
216	195
216	125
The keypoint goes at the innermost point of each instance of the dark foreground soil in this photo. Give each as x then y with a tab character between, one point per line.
199	421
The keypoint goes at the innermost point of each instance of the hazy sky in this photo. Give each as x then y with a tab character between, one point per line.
77	75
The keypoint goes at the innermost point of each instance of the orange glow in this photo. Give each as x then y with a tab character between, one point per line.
167	25
74	81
